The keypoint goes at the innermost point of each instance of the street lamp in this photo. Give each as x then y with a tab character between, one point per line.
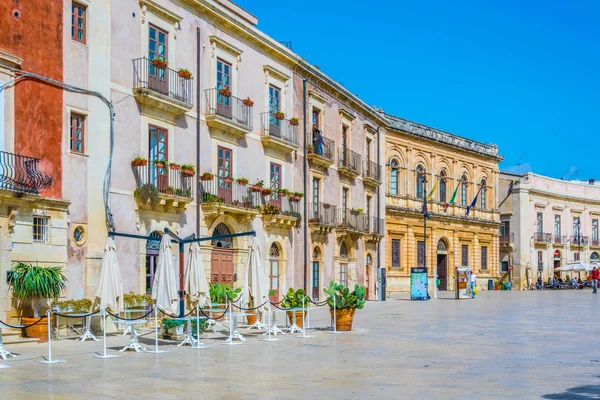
427	216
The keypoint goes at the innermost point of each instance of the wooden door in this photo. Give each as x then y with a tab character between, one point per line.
158	140
274	107
221	266
224	165
274	272
442	270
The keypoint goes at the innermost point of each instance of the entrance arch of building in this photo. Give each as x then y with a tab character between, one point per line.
221	256
442	263
275	262
368	265
317	265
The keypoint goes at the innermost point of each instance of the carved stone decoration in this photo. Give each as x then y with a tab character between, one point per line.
12	220
144	13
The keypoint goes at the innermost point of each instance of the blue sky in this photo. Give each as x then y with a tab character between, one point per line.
522	74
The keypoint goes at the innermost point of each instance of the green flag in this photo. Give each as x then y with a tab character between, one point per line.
453	198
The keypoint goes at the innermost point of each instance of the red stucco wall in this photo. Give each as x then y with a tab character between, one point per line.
36	36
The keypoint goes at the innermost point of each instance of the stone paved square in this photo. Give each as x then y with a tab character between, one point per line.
540	344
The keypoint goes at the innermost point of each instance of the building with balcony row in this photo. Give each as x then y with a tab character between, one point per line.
546	223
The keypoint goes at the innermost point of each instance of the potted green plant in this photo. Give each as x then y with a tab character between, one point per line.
225	91
188	192
172	327
207	176
188	170
359	211
160	163
160	62
295	299
219	294
266	192
133	301
294	121
258	186
228	179
169	190
147	193
283	192
36	285
248	102
242	181
298	196
139	162
184	73
270	209
345	304
280	115
175	167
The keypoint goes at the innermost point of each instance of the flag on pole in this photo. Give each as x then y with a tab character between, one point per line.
432	190
474	202
452	199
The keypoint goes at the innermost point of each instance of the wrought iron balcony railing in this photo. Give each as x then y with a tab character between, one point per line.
349	159
372	170
229	107
165	81
325	149
577	240
279	128
559	240
352	220
375	225
539	237
228	192
168	181
507	238
20	174
321	213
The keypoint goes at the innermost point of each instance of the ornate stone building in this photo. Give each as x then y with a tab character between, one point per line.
546	223
453	167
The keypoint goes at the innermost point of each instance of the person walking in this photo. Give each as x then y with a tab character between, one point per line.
595	276
473	282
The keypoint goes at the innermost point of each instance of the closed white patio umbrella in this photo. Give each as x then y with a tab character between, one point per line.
110	285
196	284
255	283
164	289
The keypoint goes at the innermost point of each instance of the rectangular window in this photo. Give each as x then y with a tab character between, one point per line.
157	43
557	227
344	201
274	99
344	274
484	257
41	229
275	179
540	223
368	150
465	255
78	22
595	230
420	254
316	184
540	258
77	133
394	181
158	152
344	137
576	256
504	228
224	158
316	120
576	226
315	279
463	192
396	253
504	266
368	214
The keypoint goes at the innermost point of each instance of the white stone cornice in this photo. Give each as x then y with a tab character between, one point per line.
158	10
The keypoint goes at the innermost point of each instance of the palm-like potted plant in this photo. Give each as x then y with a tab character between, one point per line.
295	299
345	304
36	285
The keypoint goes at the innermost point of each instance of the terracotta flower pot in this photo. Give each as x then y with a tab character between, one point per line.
294	122
187	172
159	165
175	167
343	318
279	115
184	74
40	330
299	317
225	92
257	188
228	180
251	317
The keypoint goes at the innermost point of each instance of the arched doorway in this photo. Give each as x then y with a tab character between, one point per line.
274	258
152	249
442	264
368	263
344	264
316	256
221	259
557	260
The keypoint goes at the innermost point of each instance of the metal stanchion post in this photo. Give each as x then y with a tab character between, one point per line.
104	355
304	336
49	360
334	316
198	344
156	350
269	339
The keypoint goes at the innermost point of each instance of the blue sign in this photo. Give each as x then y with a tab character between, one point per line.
418	284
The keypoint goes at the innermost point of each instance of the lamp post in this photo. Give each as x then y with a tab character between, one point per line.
426	216
578	239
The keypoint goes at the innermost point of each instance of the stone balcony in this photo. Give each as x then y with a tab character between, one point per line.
278	134
321	155
228	117
349	165
224	196
173	186
414	205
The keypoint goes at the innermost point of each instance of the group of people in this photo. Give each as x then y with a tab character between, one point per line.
575	283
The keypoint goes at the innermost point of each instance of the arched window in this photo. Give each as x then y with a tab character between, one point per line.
394	177
443	186
463	190
594	257
315	273
483	194
419	182
344	265
274	271
441	246
220	230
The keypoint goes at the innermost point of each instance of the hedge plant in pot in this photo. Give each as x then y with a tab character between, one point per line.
294	299
346	302
36	285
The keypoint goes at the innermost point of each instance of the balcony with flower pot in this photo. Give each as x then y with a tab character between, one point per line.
162	186
225	195
228	115
351	222
321	153
348	163
159	89
279	212
321	218
371	174
279	133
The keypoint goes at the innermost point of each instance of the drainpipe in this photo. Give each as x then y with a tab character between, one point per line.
378	214
305	194
198	49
